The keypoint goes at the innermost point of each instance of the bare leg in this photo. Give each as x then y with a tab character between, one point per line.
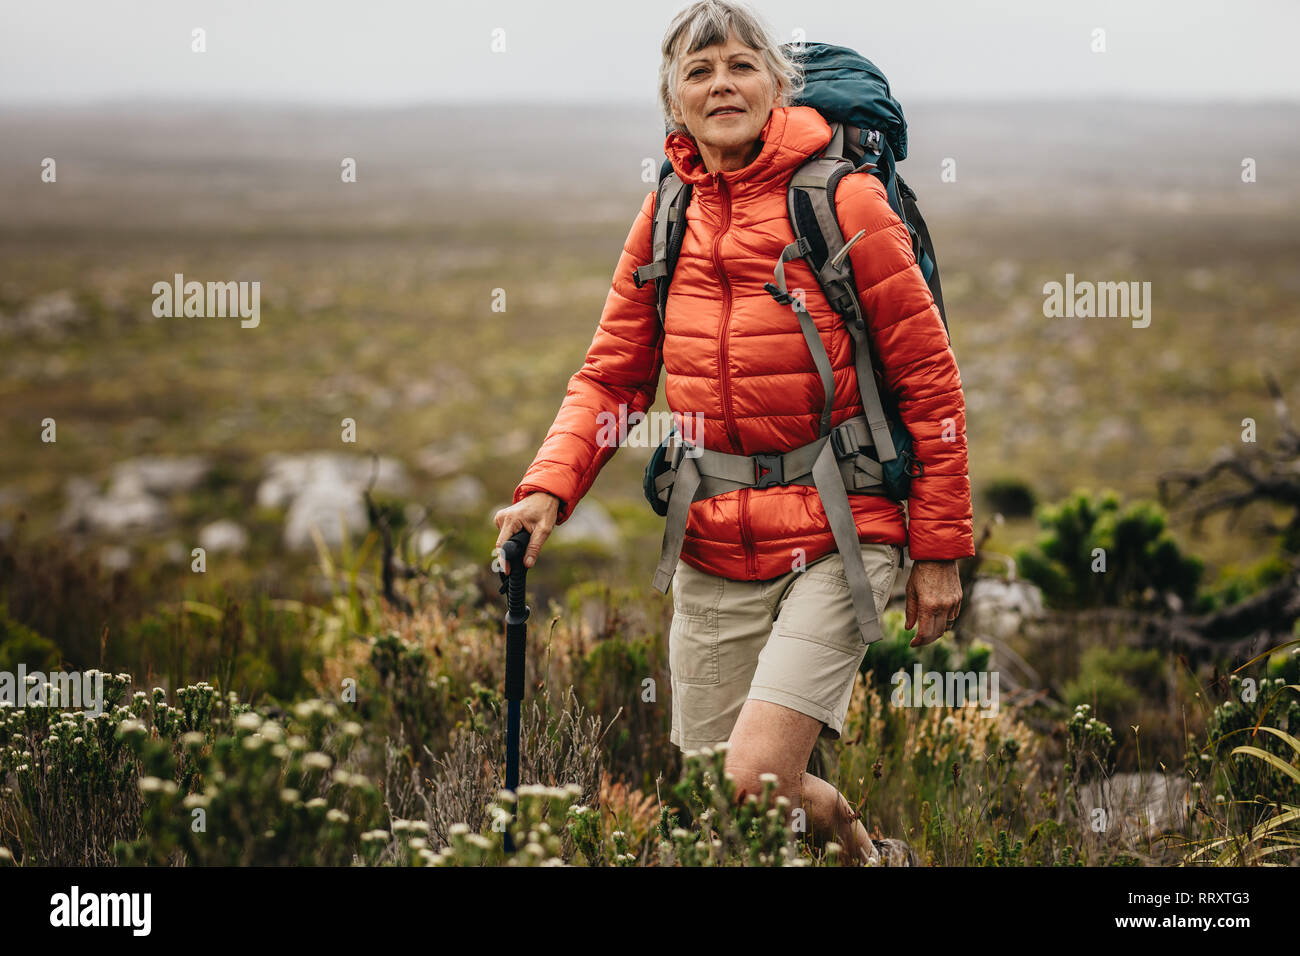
771	738
833	818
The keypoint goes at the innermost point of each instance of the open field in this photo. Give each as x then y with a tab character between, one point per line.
376	306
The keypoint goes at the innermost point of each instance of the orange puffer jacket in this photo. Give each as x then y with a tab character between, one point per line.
738	357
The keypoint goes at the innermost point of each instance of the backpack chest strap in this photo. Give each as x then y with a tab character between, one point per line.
833	464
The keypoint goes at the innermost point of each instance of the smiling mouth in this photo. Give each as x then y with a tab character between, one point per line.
726	111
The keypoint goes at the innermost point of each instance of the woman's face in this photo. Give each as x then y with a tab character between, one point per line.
724	97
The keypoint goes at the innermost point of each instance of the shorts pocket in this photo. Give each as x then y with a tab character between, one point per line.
819	607
693	647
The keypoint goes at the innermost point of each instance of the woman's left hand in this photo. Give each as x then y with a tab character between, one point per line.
933	599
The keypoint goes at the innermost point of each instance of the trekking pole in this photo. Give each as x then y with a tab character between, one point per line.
512	585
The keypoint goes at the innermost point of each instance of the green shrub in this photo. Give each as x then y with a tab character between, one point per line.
1142	561
1114	679
1232	724
208	781
1012	497
22	645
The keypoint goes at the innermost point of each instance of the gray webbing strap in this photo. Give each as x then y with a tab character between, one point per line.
795	250
812	180
835	148
823	362
707	473
871	405
651	270
657	267
835	502
679	506
828	480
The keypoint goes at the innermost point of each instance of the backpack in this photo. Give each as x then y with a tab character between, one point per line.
868	135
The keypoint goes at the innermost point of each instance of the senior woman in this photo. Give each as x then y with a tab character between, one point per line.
765	645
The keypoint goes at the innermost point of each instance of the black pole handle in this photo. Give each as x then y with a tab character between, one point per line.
513	584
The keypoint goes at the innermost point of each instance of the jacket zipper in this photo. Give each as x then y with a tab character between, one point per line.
723	368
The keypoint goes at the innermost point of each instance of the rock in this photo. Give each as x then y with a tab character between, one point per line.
286	476
324	490
461	495
79	488
446	457
161	475
333	509
427	541
48	316
223	535
134	500
998	607
589	524
114	558
125	507
1139	807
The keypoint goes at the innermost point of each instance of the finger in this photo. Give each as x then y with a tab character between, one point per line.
924	637
507	532
535	542
910	620
929	627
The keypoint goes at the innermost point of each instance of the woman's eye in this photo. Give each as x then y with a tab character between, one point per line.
748	66
696	72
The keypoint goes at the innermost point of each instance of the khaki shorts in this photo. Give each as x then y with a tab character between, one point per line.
791	640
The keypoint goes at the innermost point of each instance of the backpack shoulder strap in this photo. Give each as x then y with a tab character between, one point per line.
670	205
819	240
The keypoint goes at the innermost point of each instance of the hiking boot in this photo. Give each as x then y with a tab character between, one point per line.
895	853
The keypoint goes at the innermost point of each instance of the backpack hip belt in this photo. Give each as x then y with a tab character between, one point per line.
834	464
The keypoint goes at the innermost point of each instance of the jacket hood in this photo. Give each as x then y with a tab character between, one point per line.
790	136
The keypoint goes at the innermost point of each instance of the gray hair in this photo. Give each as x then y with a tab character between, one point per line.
707	22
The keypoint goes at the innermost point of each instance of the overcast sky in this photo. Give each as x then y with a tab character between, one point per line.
414	51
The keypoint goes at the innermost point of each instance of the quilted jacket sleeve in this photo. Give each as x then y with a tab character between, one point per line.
622	368
918	365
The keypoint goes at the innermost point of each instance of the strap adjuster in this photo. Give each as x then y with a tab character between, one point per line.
843	442
652	270
775	470
676	452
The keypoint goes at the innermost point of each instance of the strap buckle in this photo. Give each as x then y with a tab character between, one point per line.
843	442
652	270
676	452
771	288
775	470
